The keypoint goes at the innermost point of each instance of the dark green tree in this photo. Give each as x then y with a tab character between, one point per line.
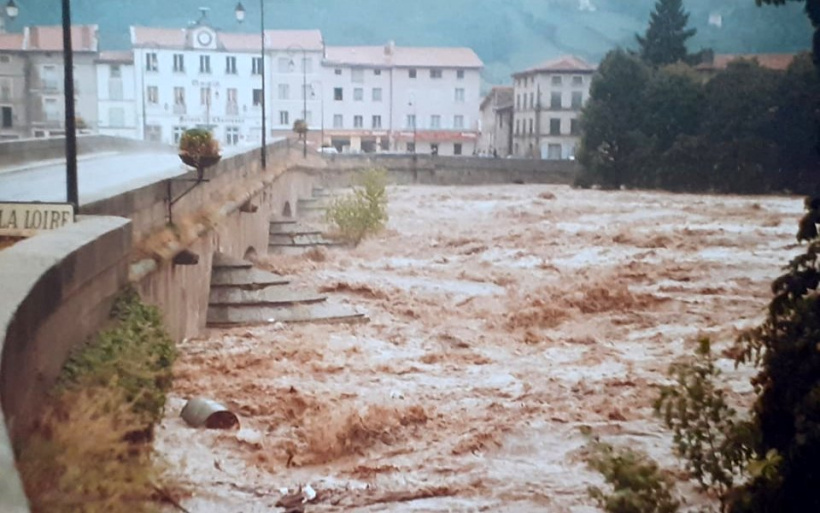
665	39
611	121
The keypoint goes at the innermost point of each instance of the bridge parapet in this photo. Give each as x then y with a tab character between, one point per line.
23	151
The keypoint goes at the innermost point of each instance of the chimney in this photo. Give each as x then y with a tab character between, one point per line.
390	48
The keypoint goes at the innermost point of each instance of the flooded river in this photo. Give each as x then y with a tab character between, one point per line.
503	320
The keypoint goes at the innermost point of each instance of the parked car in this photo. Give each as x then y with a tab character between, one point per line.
328	150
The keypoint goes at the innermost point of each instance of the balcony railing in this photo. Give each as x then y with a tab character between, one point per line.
50	84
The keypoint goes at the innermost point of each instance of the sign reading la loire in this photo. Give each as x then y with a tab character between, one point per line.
26	219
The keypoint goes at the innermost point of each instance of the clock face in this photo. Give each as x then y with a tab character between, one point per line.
204	38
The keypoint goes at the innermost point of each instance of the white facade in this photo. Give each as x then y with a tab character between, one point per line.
201	77
401	99
548	100
116	91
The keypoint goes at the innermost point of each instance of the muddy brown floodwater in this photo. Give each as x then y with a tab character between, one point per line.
503	319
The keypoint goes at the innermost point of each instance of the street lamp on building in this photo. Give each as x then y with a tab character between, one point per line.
292	66
240	17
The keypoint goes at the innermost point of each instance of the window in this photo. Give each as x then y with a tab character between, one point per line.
205	96
357	76
377	72
517	126
307	65
338	121
51	109
460	74
412	73
435	73
153	133
116	117
555	126
7	117
457	149
179	96
556	80
435	121
411	121
555	101
337	71
358	94
518	102
577	99
554	152
5	89
232	135
232	107
179	63
574	127
377	122
283	65
178	131
257	66
205	64
411	147
284	117
257	97
153	95
308	118
460	94
115	71
49	78
434	148
377	94
151	62
230	65
458	122
358	121
531	127
338	94
284	91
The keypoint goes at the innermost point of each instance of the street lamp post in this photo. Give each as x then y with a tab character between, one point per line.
240	17
292	66
72	193
322	102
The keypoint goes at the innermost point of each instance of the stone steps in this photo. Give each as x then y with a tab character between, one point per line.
245	278
276	295
324	312
297	238
244	295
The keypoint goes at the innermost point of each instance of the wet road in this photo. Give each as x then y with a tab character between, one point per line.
98	178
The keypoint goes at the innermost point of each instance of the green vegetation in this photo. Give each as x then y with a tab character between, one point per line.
638	484
364	212
300	127
198	142
90	452
746	130
665	39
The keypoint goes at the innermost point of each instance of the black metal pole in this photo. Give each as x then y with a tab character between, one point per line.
262	72
72	192
304	103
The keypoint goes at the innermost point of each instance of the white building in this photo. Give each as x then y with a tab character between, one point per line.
117	106
401	99
548	101
496	122
202	77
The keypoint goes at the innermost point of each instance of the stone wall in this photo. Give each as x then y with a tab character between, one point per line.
438	170
181	291
58	288
22	151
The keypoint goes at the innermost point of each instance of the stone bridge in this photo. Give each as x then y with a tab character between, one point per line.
59	286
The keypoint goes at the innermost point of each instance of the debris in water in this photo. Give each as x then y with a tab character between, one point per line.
200	412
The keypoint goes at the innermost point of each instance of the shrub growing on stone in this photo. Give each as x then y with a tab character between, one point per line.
364	212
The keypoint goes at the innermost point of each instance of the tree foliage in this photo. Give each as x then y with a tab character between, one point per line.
665	39
746	130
